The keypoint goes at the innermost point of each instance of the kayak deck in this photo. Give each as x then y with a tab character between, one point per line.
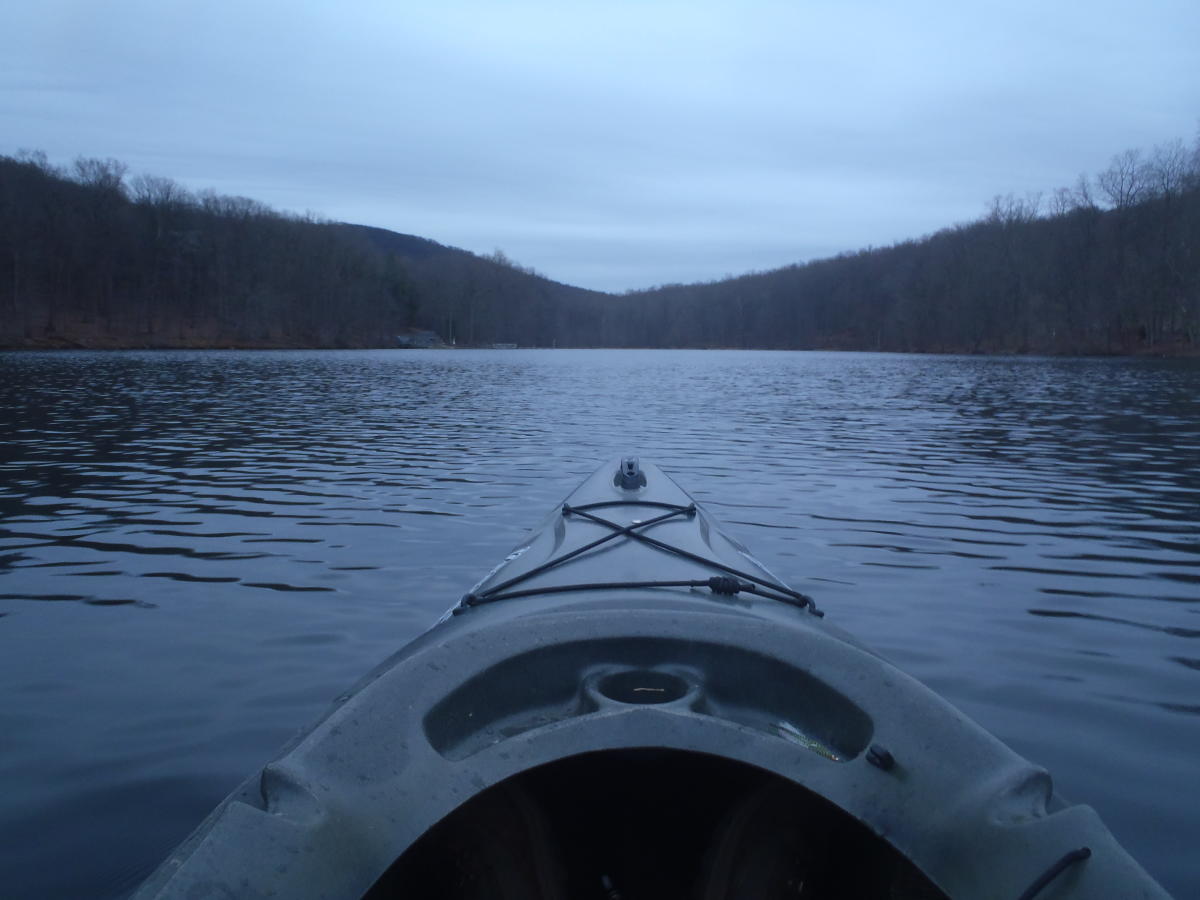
631	705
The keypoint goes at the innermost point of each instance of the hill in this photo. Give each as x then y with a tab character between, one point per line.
1110	266
91	258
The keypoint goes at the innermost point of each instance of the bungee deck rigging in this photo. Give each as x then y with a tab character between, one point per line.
734	581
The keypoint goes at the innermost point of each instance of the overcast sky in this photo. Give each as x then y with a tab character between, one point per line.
609	144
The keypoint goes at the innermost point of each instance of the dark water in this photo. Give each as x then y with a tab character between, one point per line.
199	550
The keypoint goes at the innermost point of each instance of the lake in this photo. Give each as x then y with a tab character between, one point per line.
199	550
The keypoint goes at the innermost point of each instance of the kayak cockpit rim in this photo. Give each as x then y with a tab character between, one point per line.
630	823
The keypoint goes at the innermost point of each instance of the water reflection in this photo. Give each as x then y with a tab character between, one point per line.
1067	614
199	550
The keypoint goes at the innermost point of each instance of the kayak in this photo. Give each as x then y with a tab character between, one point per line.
632	706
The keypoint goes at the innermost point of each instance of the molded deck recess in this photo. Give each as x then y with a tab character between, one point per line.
642	686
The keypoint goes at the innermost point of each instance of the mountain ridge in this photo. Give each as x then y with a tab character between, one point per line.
89	258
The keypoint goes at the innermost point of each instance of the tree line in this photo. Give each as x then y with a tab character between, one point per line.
1110	265
90	256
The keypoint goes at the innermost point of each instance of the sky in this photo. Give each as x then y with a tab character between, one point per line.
613	145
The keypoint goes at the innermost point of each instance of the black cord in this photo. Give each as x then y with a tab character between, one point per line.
719	588
627	531
796	598
1067	860
721	584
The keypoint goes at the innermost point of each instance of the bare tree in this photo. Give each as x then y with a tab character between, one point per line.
1084	199
1193	175
105	174
1167	169
233	207
154	190
1062	201
37	159
1066	200
1011	210
1124	181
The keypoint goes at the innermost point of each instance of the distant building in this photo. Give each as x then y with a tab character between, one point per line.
416	338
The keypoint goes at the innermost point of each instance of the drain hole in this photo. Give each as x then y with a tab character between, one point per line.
642	686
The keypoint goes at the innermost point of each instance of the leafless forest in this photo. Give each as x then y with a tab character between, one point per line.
91	257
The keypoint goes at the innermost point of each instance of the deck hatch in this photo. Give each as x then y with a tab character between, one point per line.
680	678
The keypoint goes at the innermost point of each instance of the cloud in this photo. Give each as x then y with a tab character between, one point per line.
591	139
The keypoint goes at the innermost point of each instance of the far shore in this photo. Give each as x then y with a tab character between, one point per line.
52	345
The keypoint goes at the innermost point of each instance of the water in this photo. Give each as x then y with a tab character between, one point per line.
199	550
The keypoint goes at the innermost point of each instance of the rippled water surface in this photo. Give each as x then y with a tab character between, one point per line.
199	550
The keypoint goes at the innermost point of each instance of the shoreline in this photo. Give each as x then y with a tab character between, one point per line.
44	345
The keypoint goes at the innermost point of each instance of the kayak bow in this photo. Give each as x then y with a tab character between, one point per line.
631	705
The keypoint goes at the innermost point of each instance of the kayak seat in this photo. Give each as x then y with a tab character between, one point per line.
651	825
499	846
779	844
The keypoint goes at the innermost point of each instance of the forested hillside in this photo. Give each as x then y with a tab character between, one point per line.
89	257
1111	265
